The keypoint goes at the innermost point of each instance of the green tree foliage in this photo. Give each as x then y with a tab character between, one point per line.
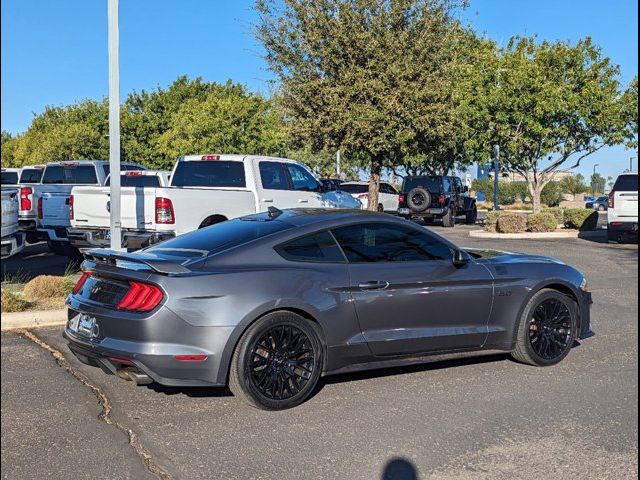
598	183
366	76
574	185
551	104
7	149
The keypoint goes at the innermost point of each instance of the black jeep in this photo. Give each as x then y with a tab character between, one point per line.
436	196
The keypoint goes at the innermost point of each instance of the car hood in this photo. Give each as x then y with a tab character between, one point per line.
501	257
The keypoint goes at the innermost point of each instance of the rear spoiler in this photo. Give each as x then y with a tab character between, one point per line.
111	257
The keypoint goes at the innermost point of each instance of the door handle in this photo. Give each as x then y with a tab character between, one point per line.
267	200
373	285
300	200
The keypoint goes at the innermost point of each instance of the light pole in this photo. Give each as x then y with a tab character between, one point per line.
593	179
631	159
496	176
114	126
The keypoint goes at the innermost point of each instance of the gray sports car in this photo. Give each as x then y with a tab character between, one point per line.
269	303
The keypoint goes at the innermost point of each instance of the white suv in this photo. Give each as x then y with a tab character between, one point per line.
622	215
387	196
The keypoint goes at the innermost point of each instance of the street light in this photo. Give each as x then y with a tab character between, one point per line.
594	167
114	125
593	179
631	159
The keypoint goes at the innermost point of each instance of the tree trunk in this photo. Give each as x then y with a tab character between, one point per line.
374	183
535	189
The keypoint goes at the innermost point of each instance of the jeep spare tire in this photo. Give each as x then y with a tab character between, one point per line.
419	199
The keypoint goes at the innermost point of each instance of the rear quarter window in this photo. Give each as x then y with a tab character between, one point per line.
31	175
9	178
626	183
137	181
318	247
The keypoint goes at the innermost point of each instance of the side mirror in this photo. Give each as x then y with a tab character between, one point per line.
465	189
459	259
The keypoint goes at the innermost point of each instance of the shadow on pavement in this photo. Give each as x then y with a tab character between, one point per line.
399	469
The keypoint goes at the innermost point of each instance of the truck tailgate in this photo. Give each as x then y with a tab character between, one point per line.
55	209
9	211
91	207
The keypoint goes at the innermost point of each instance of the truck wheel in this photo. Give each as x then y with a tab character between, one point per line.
449	220
472	215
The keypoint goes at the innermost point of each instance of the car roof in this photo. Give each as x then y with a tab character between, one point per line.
310	216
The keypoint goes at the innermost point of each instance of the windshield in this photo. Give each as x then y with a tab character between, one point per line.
31	175
9	178
432	184
216	173
220	236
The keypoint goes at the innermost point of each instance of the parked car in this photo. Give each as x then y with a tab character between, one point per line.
601	204
30	177
12	240
204	190
387	196
86	201
52	197
270	302
622	214
436	196
10	176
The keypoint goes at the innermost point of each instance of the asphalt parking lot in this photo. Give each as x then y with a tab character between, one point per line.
471	418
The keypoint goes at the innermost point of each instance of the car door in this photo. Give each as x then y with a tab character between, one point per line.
305	186
389	197
408	295
276	188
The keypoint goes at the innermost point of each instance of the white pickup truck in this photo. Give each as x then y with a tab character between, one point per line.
12	238
51	197
622	214
204	190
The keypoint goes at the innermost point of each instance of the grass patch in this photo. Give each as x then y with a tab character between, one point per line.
13	302
47	287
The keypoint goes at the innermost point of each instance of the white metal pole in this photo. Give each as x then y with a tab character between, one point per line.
114	125
338	163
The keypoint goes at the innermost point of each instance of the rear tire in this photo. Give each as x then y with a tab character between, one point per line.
449	220
277	362
547	329
601	208
380	208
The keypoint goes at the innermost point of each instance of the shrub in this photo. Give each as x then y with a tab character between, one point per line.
48	286
506	192
511	223
552	194
490	221
542	222
557	212
13	302
580	218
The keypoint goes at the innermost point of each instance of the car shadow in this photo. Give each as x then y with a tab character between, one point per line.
194	392
399	469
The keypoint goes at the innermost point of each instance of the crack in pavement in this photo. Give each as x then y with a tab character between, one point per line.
105	403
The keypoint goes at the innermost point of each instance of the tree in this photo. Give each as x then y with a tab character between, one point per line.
574	184
369	77
597	183
228	120
550	105
7	149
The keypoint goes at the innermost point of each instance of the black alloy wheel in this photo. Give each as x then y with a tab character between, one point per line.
277	362
550	329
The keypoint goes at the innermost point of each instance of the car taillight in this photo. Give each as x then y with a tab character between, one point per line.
71	207
402	198
211	157
441	199
40	208
612	199
164	211
25	200
81	281
141	297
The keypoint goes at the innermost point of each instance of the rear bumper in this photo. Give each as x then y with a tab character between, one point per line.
54	234
621	226
428	213
12	244
99	237
585	316
135	344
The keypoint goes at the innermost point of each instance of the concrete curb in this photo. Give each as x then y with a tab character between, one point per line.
33	319
525	235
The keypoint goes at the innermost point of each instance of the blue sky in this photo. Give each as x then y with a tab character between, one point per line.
55	52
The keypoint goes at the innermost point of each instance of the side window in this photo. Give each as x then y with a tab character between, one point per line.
373	242
273	176
388	189
318	247
301	179
446	184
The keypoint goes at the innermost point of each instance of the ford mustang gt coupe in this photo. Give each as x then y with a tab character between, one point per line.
269	303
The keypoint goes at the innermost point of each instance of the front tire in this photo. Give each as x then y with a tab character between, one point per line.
277	362
547	329
472	215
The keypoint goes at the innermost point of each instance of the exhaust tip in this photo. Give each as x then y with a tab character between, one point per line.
134	376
